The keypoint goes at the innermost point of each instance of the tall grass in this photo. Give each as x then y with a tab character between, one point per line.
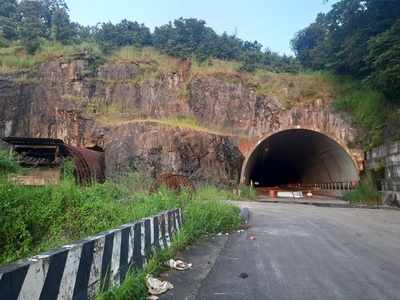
365	193
7	163
213	67
151	62
14	58
35	219
292	89
203	215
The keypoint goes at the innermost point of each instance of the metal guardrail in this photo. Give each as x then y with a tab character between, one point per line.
331	186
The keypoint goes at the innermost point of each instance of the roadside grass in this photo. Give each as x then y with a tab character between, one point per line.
245	193
365	193
37	219
205	214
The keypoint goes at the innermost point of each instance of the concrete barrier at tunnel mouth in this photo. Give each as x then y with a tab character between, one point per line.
81	270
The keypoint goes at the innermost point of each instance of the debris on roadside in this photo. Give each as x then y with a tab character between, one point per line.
244	226
178	265
152	297
252	238
156	286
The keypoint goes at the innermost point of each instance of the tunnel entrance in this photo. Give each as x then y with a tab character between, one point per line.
299	156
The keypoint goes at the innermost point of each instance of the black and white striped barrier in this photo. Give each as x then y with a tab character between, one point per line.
81	270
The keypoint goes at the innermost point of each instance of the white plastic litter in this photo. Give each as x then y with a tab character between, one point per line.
152	297
309	194
178	265
156	286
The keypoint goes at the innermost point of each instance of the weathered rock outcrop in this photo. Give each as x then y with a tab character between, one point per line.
154	149
63	98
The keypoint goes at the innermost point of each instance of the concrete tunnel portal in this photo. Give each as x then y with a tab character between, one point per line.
298	156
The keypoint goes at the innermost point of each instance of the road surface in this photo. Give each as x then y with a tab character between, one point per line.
300	252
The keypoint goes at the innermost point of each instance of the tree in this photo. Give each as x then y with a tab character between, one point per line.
357	38
125	33
252	56
8	8
50	9
62	30
184	38
384	57
31	24
307	43
8	22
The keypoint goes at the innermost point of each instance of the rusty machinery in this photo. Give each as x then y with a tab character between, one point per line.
50	153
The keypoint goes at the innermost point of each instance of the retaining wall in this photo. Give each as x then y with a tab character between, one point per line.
388	158
79	271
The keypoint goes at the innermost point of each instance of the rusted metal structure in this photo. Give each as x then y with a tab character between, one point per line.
46	154
173	182
89	164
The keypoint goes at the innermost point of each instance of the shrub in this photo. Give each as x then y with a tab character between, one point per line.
247	192
366	192
366	106
7	163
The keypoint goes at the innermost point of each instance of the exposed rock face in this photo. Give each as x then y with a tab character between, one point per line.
59	101
231	104
154	150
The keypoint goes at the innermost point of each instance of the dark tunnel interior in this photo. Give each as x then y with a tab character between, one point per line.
299	156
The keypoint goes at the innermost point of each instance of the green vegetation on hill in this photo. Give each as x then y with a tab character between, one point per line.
359	41
360	38
366	106
356	39
32	23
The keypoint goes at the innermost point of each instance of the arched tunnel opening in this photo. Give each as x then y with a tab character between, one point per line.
299	156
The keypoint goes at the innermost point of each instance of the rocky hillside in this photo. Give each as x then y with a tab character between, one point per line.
155	114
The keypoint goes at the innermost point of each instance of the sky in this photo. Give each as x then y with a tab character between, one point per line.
273	23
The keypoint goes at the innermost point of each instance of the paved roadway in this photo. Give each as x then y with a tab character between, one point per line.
300	252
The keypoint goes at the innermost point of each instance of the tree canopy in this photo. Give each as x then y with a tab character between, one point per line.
360	38
32	21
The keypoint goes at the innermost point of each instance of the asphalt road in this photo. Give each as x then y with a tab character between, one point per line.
300	252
